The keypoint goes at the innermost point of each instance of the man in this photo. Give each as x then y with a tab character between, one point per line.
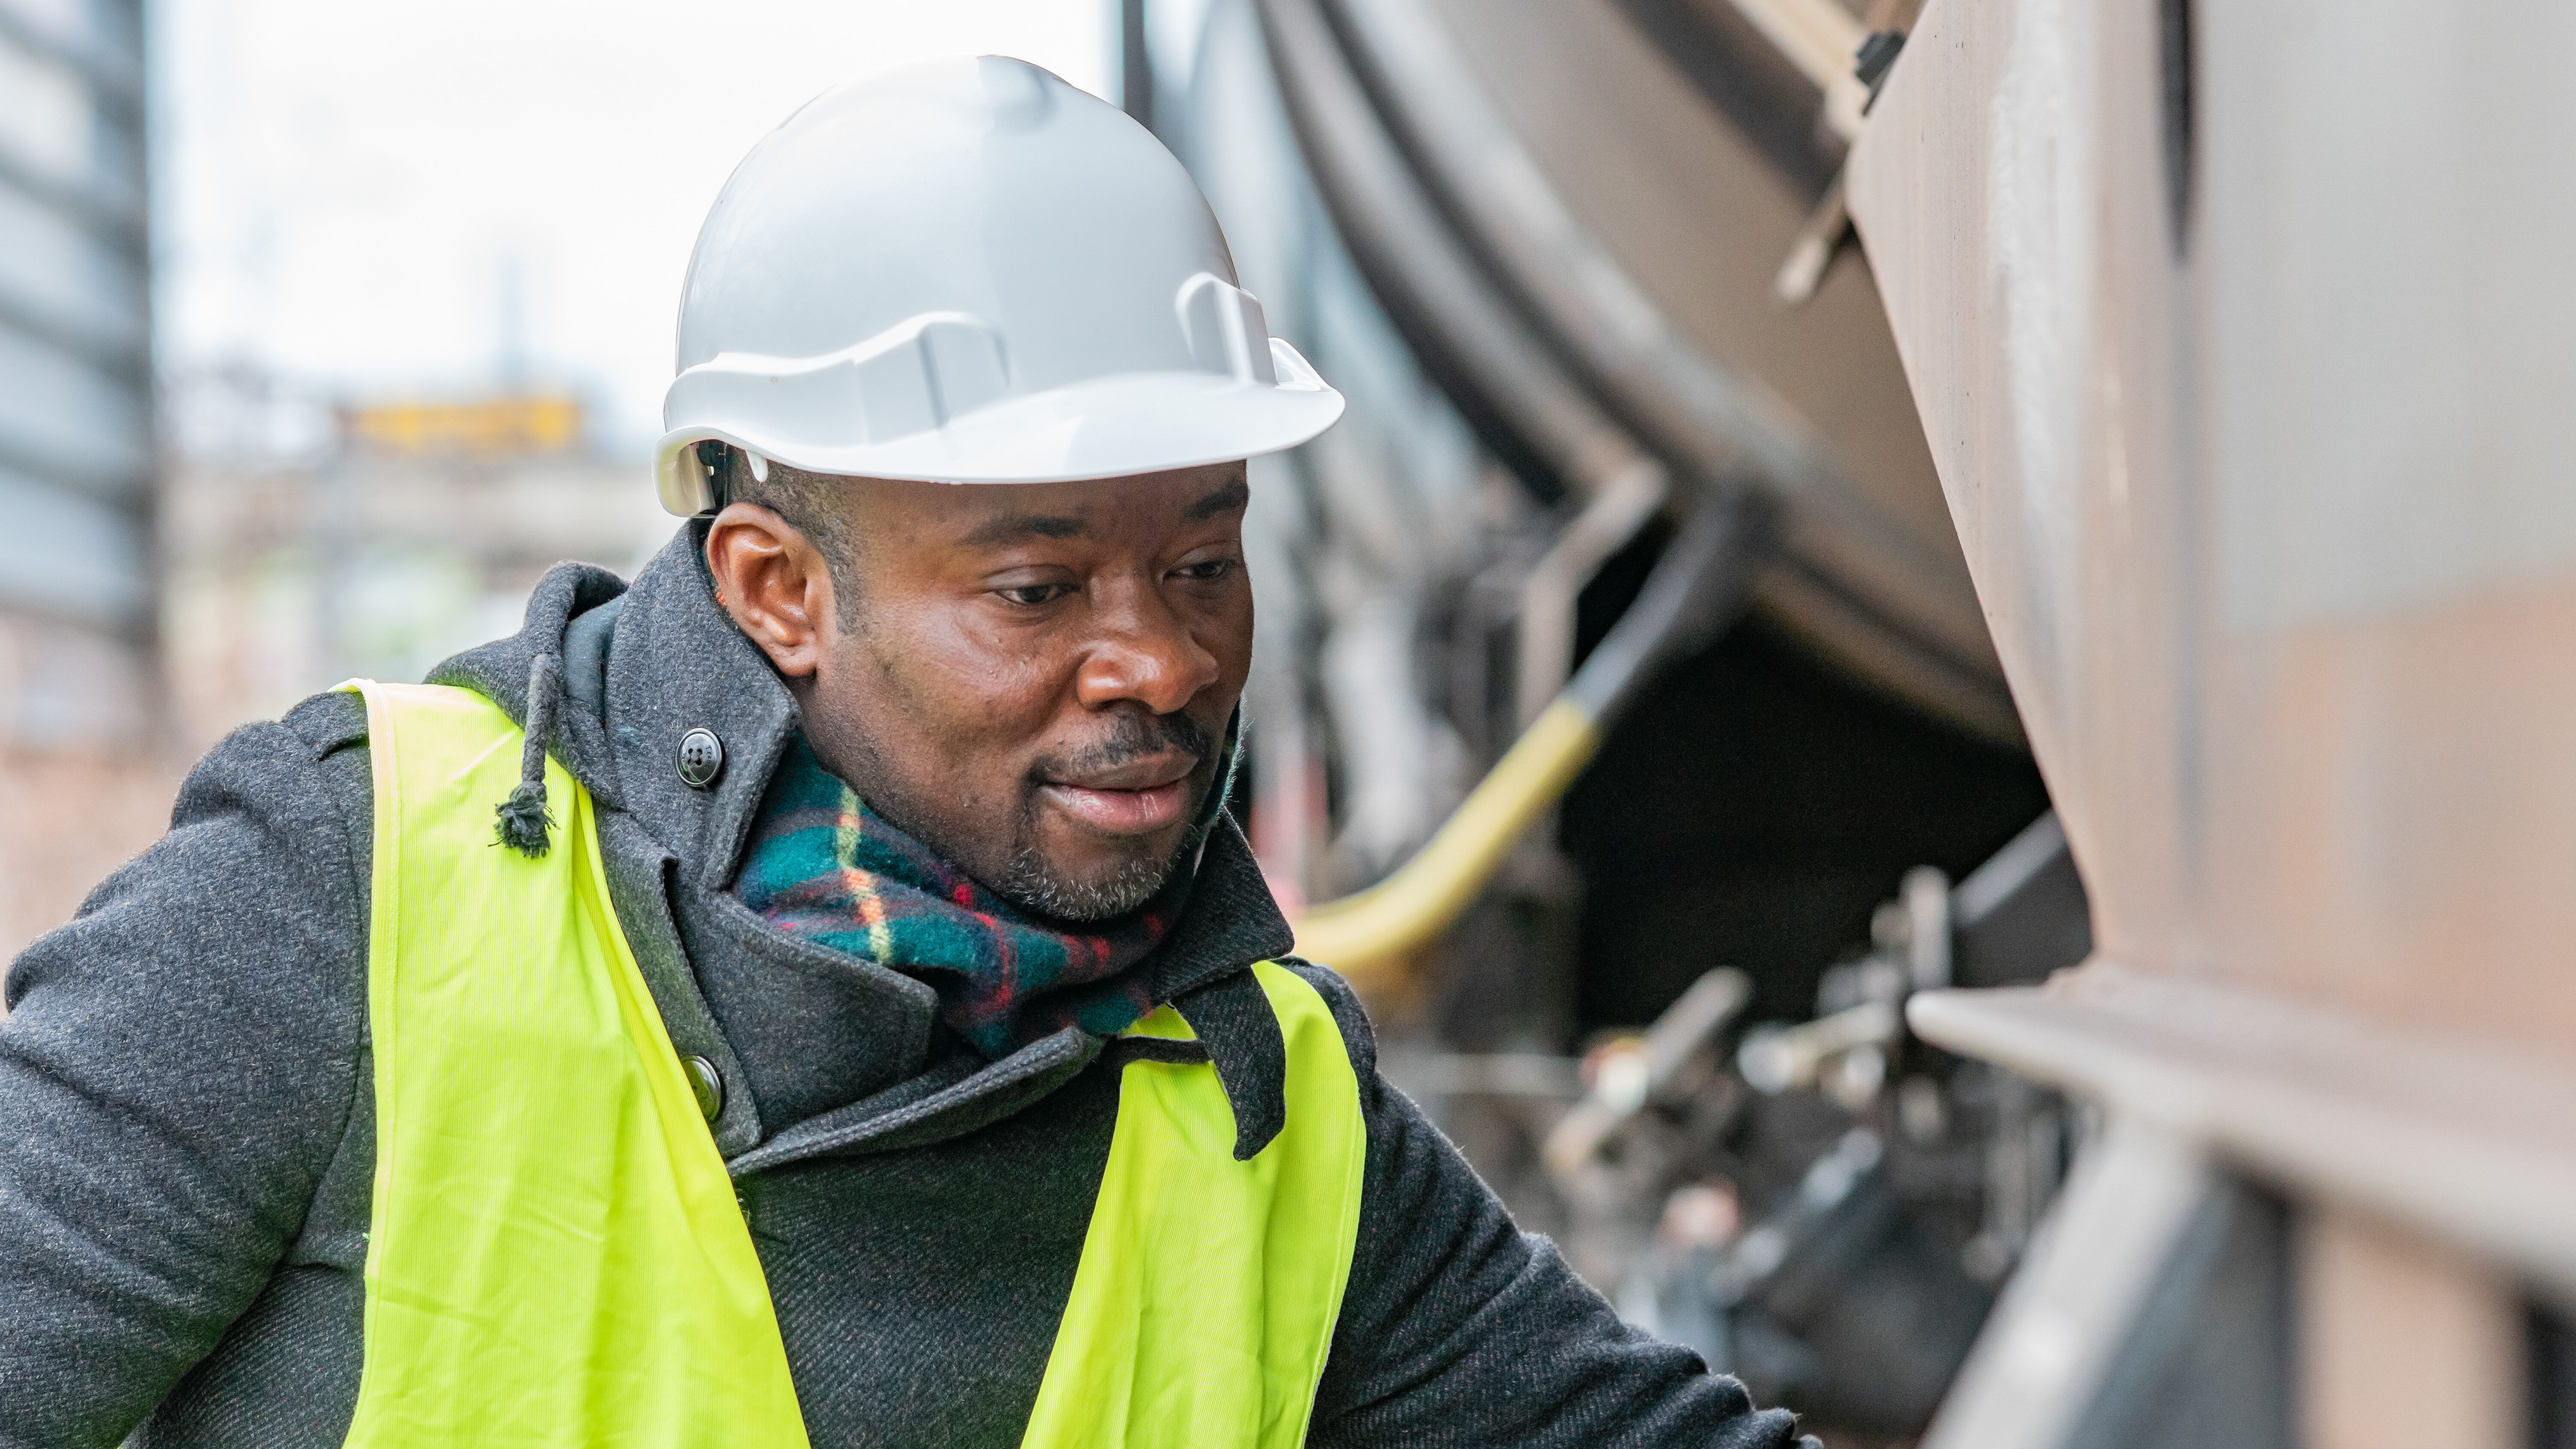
815	994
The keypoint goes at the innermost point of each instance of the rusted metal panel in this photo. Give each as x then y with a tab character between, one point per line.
2252	449
2406	1343
1985	187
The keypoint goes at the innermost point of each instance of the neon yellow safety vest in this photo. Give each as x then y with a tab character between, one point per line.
557	1257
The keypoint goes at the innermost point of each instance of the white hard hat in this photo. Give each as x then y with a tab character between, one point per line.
968	271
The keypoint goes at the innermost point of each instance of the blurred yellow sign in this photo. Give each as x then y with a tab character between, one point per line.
491	427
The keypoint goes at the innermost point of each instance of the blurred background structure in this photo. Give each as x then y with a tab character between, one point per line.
2154	412
83	780
418	525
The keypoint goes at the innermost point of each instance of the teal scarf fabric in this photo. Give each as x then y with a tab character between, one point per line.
825	867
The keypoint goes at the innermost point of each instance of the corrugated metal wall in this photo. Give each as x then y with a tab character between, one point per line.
76	442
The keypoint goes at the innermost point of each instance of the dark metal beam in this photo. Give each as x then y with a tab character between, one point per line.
1136	63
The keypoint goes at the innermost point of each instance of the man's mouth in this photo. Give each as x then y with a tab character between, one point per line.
1138	797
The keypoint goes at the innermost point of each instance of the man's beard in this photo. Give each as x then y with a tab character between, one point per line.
1030	884
1039	891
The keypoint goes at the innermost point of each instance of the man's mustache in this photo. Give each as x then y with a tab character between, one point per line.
1132	735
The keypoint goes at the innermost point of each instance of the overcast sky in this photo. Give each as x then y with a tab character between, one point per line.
351	192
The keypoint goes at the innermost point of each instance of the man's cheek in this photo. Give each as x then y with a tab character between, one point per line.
992	703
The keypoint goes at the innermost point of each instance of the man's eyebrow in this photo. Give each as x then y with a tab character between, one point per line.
1235	494
1013	527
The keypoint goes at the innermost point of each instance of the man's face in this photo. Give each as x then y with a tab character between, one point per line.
1033	681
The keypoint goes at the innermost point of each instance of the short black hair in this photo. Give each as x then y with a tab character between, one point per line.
816	505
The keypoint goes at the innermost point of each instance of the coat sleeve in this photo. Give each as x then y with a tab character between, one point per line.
176	1070
1459	1329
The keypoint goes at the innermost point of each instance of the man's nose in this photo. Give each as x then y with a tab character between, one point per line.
1144	652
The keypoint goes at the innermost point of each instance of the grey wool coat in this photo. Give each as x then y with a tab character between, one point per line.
187	1133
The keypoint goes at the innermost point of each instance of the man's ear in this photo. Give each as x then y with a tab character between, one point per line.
774	582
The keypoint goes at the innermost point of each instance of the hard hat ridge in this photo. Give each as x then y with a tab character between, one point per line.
969	271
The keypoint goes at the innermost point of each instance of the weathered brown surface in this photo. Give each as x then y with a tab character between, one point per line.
2034	323
2265	509
2401	836
2404	1343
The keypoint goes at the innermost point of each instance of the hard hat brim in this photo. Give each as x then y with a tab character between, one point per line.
1109	427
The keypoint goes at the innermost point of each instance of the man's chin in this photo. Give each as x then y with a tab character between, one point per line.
1042	887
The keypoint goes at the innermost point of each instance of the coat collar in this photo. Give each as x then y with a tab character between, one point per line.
675	664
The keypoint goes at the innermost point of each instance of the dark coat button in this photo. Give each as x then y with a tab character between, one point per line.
708	1084
701	758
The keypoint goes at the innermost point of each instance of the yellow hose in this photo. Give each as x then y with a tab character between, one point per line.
1375	931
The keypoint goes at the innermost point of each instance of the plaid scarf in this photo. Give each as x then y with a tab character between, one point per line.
825	867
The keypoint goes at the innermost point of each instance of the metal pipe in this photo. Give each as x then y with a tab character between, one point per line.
1433	289
1698	588
1555	583
1136	64
1369	935
1779	1058
1641	1068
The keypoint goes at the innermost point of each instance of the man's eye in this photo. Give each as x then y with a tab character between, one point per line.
1215	568
1032	595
